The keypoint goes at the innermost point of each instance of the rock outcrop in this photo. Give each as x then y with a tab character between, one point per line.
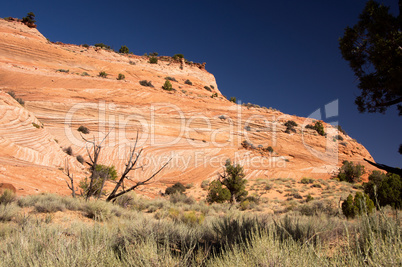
193	124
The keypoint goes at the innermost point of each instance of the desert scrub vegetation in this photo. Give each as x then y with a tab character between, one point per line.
167	86
102	45
318	127
188	82
349	172
146	83
124	50
102	74
121	77
290	127
153	60
190	235
19	100
83	129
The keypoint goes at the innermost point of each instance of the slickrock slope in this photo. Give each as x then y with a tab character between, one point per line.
197	130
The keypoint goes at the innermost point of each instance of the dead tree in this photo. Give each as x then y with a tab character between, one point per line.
71	177
130	165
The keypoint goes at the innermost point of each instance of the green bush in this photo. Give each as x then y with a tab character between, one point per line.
7	212
188	82
85	45
167	86
176	188
318	127
205	184
98	210
214	95
29	19
146	83
102	45
233	179
102	74
350	173
153	60
217	193
178	56
307	181
101	174
290	126
7	197
124	50
83	129
269	149
360	204
233	99
207	88
121	77
385	189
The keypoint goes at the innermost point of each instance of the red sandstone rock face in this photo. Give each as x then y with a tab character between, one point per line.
199	131
5	186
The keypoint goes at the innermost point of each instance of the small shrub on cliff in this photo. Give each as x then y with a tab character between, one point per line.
19	100
124	50
29	20
146	83
207	88
233	99
167	86
290	126
80	159
171	79
350	173
269	149
83	129
102	45
121	77
153	60
68	150
178	56
188	82
102	74
318	127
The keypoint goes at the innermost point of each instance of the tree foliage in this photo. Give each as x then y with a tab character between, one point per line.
373	49
124	49
358	205
178	188
29	19
217	193
233	179
350	173
384	189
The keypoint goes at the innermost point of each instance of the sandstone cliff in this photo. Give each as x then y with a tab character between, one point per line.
62	91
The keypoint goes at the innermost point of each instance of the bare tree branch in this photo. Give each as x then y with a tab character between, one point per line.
70	176
111	197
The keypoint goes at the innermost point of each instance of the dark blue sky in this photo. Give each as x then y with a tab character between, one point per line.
280	54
